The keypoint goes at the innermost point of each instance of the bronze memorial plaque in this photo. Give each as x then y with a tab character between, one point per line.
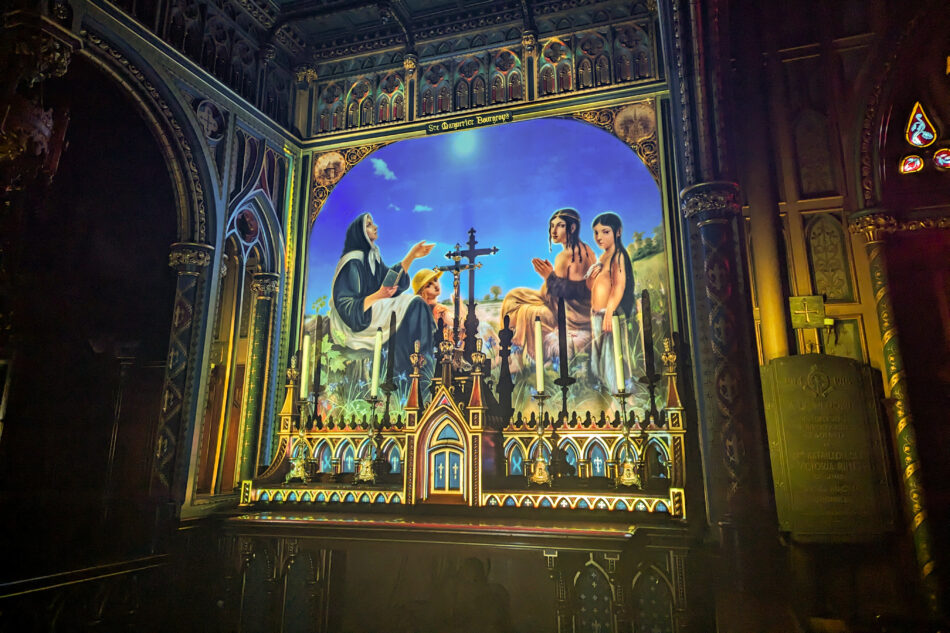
827	448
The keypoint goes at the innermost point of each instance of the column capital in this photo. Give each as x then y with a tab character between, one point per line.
529	40
717	198
306	73
265	284
873	224
188	256
410	63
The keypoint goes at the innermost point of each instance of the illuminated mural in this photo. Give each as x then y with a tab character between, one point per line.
532	190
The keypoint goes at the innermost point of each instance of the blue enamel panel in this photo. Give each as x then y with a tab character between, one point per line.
516	462
598	461
448	433
439	471
455	471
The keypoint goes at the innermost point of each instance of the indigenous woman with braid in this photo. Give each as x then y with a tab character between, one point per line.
611	285
563	278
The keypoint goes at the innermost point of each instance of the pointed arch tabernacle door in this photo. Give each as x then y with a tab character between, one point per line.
445	462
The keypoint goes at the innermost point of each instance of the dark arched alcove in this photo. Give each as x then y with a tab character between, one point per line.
91	297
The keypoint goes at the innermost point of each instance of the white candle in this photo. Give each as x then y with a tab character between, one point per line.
377	354
305	368
618	353
538	356
313	361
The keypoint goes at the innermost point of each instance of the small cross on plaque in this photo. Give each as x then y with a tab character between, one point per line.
807	311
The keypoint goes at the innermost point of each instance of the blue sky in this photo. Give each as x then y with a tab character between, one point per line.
505	181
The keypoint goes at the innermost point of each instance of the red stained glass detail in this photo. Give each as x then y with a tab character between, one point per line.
920	131
942	158
911	164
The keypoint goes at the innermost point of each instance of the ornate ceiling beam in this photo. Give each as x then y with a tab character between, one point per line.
309	9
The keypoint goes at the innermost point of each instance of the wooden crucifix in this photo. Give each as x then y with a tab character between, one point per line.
456	269
471	321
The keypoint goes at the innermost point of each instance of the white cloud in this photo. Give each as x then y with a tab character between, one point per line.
393	207
421	208
380	168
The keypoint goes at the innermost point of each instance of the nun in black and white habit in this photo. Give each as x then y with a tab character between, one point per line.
360	303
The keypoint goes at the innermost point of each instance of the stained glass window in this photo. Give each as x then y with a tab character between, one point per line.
920	131
942	158
911	164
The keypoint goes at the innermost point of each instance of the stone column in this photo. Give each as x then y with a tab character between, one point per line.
731	433
191	261
873	226
265	286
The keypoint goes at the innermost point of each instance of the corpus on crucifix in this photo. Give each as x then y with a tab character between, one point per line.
471	253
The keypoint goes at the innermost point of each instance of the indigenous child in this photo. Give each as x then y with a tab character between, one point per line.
611	286
564	278
425	284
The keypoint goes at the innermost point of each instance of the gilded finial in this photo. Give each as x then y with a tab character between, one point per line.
669	356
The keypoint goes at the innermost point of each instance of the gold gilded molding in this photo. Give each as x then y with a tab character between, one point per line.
190	254
714	199
635	125
306	73
47	56
872	226
410	63
265	284
341	162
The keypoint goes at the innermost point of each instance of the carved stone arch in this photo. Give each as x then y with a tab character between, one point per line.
462	96
478	92
399	108
366	112
602	70
270	234
654	467
445	98
570	443
498	89
565	80
620	450
542	444
515	86
383	111
301	446
367	446
341	454
546	82
585	74
163	114
428	101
